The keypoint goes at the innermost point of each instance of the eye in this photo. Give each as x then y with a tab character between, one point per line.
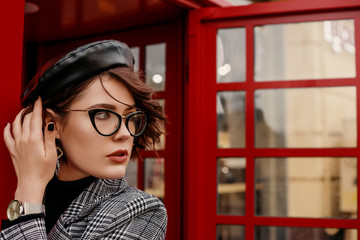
102	115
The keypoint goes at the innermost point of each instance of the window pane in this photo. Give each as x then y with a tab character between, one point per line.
154	177
306	118
230	109
131	172
155	66
231	186
230	55
230	232
301	233
309	50
306	187
136	53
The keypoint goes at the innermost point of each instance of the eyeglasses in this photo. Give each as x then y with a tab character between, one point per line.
107	122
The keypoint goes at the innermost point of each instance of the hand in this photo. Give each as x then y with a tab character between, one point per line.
33	154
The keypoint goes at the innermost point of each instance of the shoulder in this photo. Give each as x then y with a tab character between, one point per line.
123	211
131	202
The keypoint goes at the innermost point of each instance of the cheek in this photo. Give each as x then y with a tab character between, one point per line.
78	138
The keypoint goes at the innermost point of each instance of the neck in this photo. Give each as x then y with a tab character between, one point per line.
70	173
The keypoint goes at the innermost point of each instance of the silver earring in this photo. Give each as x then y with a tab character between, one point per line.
60	154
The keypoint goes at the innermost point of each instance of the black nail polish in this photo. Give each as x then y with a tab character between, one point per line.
51	127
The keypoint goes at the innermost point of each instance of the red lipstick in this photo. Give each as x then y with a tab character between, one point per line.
119	156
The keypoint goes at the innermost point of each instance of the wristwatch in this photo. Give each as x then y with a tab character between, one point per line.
17	209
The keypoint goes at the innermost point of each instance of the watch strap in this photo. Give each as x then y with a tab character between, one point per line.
31	208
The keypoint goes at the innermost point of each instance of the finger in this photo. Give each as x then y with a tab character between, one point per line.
10	144
8	138
16	126
36	118
26	126
49	138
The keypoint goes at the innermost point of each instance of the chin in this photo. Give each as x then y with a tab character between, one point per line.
113	174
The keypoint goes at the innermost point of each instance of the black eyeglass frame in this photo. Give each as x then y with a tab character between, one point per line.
92	113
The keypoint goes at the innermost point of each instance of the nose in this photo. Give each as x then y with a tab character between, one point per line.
122	133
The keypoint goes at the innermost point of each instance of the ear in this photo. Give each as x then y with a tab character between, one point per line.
51	116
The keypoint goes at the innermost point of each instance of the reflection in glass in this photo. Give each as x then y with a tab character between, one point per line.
307	50
230	232
136	53
230	109
154	177
231	186
230	55
155	66
306	117
316	187
302	233
131	172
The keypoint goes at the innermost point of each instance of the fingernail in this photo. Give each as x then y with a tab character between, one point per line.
51	127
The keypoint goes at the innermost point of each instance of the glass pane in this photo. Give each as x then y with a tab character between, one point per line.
154	177
231	186
230	109
131	172
230	232
155	66
320	187
306	117
230	55
302	233
136	53
308	50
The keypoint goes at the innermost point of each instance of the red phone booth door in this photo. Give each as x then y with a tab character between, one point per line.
274	129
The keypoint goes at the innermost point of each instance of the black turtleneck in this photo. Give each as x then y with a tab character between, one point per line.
59	195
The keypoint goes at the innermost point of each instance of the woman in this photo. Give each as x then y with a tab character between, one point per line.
87	114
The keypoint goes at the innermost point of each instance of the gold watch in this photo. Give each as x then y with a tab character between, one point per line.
17	209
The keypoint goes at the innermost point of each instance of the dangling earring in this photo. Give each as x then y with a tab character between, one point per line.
60	153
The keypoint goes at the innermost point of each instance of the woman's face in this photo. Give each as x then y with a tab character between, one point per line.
87	152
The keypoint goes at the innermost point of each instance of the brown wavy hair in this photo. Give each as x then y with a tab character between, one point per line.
142	94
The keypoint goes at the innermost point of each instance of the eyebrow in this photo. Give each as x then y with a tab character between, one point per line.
109	106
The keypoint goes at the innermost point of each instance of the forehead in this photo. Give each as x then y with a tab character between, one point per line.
95	93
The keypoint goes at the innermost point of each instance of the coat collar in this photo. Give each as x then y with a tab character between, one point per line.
96	193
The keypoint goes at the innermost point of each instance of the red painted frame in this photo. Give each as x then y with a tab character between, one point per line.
192	4
201	149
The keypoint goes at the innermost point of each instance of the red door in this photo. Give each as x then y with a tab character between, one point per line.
272	140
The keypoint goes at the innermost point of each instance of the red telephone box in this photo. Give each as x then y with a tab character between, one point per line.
262	100
266	157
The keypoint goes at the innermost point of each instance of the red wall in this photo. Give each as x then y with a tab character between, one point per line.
11	41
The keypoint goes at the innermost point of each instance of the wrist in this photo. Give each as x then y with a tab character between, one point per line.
30	194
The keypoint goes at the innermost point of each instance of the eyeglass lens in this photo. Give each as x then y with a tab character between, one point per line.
108	122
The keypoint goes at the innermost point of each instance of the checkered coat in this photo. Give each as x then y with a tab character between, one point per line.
107	209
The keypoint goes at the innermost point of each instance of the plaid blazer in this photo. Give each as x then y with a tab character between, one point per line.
107	209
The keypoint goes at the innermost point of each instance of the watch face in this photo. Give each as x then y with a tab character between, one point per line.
14	210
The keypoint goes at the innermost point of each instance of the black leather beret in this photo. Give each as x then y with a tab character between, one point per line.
75	67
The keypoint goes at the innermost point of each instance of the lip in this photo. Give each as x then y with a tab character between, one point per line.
120	155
